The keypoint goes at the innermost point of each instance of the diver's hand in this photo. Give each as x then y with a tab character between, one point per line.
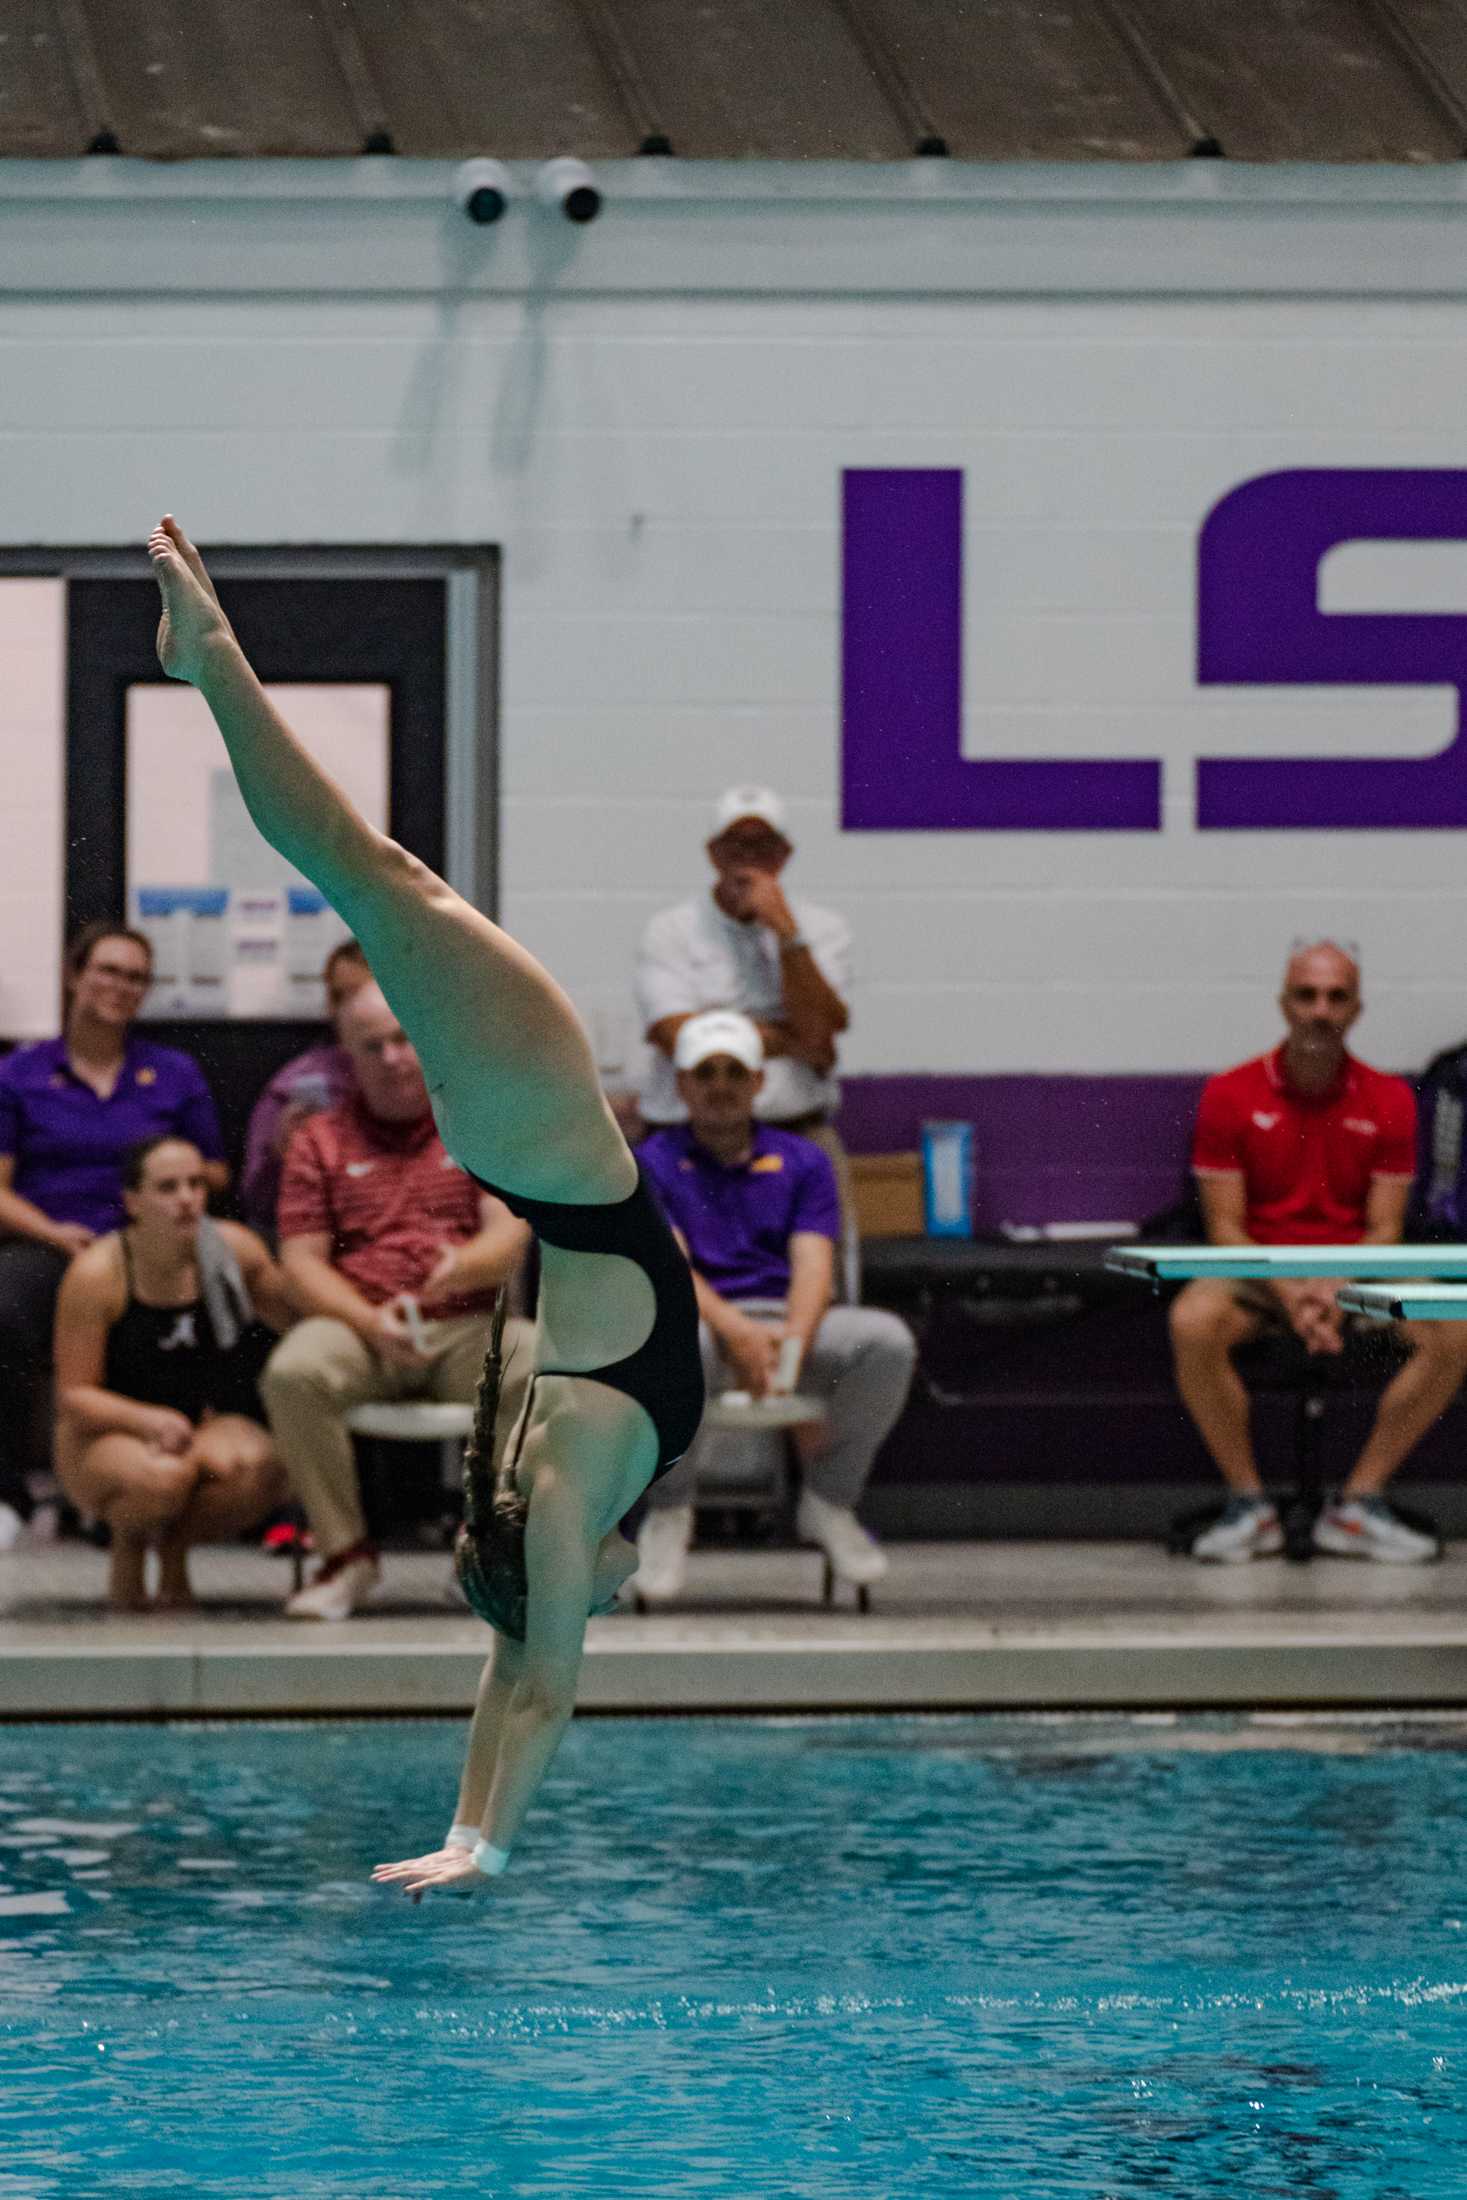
445	1871
192	628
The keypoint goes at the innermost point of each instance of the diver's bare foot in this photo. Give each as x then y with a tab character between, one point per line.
192	624
190	554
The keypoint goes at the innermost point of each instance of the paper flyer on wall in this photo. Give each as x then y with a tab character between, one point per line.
189	930
312	929
238	933
247	951
256	951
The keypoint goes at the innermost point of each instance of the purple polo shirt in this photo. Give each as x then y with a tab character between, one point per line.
68	1144
738	1221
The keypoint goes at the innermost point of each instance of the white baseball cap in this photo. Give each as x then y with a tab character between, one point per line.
750	801
718	1031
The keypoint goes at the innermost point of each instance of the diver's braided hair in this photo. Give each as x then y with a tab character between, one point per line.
479	1448
489	1551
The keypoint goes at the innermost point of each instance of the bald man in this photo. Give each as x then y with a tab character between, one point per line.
1306	1146
394	1255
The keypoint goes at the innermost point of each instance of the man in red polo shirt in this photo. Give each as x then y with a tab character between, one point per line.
1306	1146
395	1256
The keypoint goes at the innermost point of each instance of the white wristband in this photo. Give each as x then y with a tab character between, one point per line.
489	1860
460	1837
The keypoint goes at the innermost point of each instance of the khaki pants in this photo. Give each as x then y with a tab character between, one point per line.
321	1369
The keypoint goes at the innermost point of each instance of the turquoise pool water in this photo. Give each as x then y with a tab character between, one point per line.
976	1958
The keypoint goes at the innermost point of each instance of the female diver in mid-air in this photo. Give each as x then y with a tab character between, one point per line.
616	1389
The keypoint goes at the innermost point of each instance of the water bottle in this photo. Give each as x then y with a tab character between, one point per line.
947	1179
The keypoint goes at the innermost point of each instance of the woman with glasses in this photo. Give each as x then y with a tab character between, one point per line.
616	1385
71	1109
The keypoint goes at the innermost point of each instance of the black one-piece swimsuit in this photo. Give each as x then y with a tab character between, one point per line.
170	1356
664	1375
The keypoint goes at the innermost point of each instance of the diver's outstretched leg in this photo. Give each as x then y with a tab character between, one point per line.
507	1060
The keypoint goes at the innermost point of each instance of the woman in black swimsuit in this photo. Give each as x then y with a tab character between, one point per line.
159	1344
617	1386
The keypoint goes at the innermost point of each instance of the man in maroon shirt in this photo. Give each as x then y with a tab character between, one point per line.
395	1256
1306	1146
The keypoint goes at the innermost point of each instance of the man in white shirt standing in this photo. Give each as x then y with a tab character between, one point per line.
784	964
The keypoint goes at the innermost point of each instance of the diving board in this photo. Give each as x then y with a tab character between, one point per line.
1406	1302
1376	1263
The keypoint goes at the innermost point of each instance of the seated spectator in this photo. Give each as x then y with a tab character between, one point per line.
395	1256
785	965
70	1110
1306	1146
1439	1201
757	1212
158	1350
318	1078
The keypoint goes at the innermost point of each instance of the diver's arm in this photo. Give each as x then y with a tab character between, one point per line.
502	1669
450	1869
560	1562
527	1695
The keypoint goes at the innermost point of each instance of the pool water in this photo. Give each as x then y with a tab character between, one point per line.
976	1958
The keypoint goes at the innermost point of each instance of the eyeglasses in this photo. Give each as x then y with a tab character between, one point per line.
140	980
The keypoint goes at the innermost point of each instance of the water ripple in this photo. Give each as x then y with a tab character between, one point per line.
1089	1959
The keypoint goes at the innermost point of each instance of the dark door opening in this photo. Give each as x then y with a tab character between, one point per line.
380	632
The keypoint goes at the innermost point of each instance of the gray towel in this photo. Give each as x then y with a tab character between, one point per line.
223	1287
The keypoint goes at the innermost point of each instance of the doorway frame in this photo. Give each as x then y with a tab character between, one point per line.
471	574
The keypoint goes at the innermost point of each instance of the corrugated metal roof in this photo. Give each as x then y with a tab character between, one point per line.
866	80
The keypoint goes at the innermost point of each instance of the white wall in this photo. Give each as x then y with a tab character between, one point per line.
32	681
663	475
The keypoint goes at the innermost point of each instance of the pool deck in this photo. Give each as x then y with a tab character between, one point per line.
976	1626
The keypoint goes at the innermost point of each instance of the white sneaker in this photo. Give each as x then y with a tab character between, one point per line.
1367	1527
662	1553
12	1527
1249	1528
854	1555
336	1591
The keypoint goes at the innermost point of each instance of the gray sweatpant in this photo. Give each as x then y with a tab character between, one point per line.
860	1363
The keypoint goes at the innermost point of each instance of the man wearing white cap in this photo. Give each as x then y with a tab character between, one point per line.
785	965
757	1212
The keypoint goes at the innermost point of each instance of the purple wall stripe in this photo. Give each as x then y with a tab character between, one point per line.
1047	1149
